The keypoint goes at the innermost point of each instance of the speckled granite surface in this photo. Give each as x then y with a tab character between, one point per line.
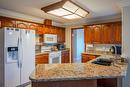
58	72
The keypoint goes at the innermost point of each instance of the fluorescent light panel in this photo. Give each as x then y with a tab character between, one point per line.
81	12
73	16
69	11
70	6
59	12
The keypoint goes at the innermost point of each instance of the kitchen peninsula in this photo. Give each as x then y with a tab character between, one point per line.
78	75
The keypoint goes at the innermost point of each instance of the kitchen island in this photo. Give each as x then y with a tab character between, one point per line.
78	75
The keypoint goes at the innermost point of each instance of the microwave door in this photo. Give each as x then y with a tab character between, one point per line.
50	38
55	38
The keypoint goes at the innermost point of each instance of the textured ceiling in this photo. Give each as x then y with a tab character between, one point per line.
97	8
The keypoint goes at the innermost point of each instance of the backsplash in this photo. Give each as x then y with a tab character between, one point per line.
99	47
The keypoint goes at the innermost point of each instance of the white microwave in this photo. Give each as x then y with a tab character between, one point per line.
50	38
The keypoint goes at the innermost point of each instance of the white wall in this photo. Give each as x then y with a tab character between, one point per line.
126	41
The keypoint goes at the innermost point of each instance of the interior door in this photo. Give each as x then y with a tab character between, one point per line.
12	70
28	54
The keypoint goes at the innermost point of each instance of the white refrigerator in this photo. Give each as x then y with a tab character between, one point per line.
17	56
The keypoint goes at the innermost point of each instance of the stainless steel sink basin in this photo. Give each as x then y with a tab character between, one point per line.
103	61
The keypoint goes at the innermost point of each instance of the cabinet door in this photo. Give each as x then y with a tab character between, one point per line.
85	58
117	33
91	57
97	32
33	26
54	30
39	30
65	56
47	29
62	57
42	59
88	34
62	35
107	32
21	24
8	22
58	35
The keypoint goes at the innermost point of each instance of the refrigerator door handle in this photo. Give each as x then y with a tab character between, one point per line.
21	50
18	53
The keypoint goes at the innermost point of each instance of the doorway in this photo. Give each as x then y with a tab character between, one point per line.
77	45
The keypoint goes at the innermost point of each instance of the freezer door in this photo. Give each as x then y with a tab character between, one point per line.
28	57
12	71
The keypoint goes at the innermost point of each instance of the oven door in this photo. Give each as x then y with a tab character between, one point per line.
55	58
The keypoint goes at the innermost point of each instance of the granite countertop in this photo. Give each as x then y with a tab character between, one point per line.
58	72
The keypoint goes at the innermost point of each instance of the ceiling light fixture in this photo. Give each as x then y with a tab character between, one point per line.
66	9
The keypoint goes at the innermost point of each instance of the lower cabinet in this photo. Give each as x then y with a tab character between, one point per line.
42	59
65	56
88	57
109	82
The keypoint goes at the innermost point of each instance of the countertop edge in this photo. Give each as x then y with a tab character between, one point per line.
79	78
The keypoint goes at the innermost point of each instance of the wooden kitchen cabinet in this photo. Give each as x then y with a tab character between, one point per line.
113	82
93	34
88	34
107	32
88	57
40	30
48	22
65	56
61	35
5	22
97	32
42	59
117	32
33	26
21	24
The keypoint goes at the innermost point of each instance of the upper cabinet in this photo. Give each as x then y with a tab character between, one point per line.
40	29
21	24
108	33
5	22
96	30
92	34
88	34
117	33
